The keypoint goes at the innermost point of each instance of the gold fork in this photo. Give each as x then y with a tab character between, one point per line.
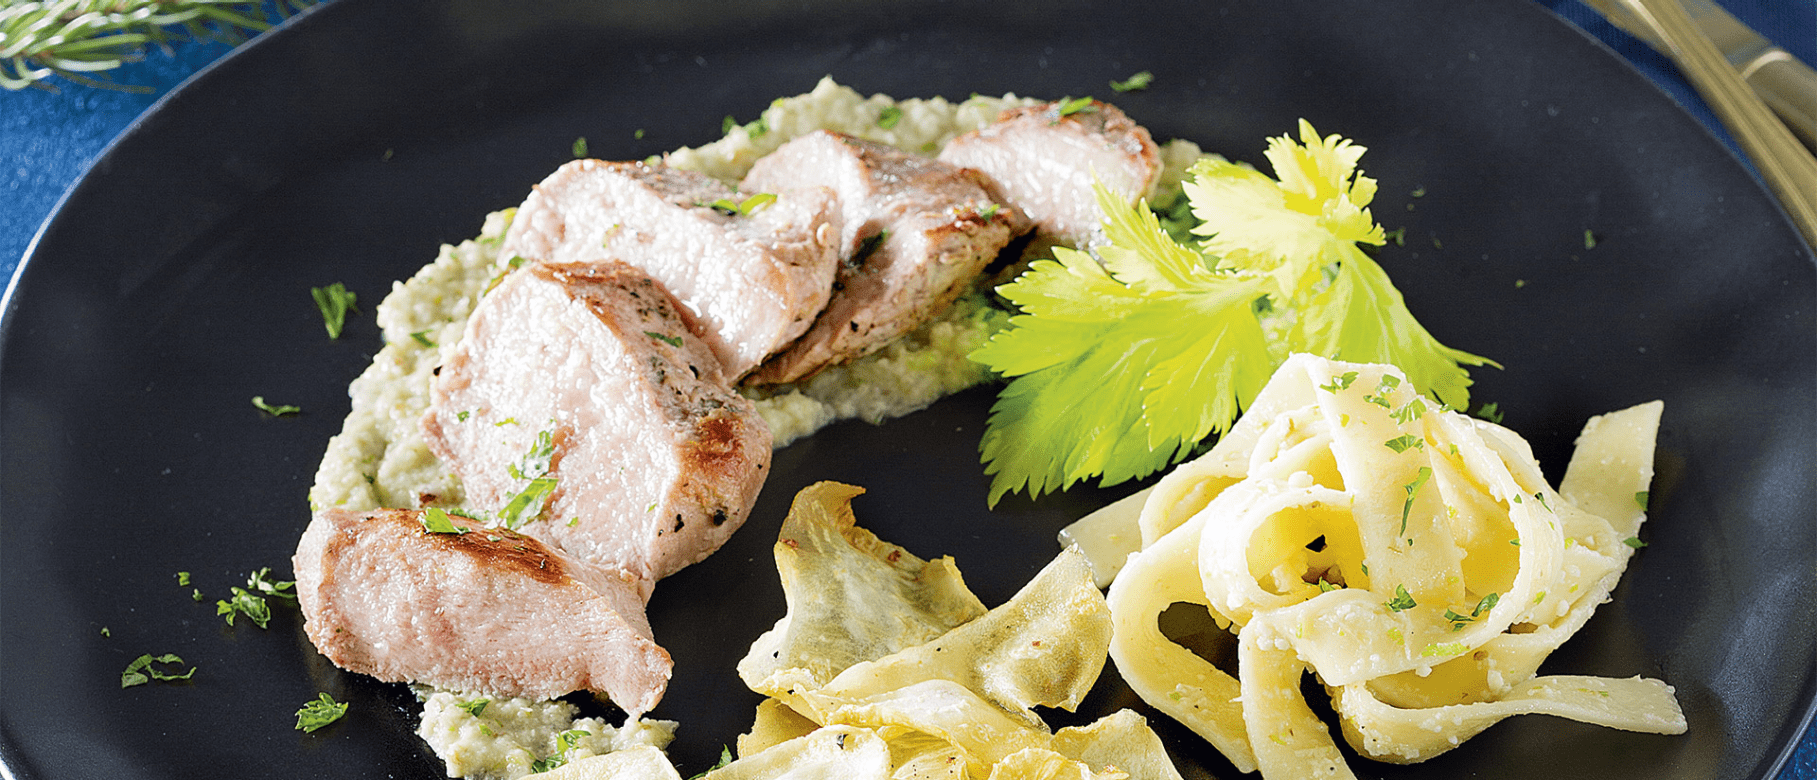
1787	167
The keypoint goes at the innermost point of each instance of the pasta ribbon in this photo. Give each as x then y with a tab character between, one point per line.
1412	557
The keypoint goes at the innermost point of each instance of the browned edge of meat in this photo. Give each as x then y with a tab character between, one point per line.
485	611
753	278
587	375
917	231
1043	160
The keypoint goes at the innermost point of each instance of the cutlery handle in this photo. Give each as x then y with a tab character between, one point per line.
1788	169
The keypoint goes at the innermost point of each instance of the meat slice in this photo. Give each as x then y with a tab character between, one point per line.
916	232
754	281
488	610
584	381
1042	159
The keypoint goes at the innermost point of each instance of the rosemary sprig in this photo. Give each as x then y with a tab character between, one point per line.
75	38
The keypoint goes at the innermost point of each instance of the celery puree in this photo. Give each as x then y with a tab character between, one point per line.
380	459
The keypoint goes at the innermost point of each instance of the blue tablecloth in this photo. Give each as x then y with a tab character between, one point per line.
47	139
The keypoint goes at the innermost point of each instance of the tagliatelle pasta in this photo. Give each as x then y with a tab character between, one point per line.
1414	558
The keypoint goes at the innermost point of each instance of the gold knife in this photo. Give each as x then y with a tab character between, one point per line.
1785	84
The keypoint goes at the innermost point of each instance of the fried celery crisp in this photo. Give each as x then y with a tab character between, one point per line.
851	597
958	702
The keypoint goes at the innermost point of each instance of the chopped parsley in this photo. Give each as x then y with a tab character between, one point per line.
437	521
1414	410
1413	489
1483	605
725	753
183	579
742	208
105	632
564	743
868	246
1326	587
990	211
726	124
280	590
1634	542
142	671
580	147
422	337
334	301
1404	443
638	134
1641	498
1490	411
462	415
527	504
251	603
275	411
1402	599
673	341
244	603
888	117
1339	382
1397	235
1137	81
1589	239
1071	106
321	712
474	707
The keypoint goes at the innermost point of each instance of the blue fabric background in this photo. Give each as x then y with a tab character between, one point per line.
48	138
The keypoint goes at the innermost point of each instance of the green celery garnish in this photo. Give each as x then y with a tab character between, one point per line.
1119	370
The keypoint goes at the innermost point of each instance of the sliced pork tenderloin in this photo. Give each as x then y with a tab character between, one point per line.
1043	160
486	611
580	408
754	280
916	232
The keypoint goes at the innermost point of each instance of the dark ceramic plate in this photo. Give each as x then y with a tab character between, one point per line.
172	286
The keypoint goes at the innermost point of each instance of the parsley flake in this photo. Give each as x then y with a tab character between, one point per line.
1640	498
888	117
275	411
1490	411
1137	81
1402	599
1589	239
334	301
319	713
437	521
141	670
990	211
725	757
868	246
580	147
422	337
673	341
183	579
1634	542
1413	488
1404	443
474	707
1072	106
742	208
1339	382
1414	410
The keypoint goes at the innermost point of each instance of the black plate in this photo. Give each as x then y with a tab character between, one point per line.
172	286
